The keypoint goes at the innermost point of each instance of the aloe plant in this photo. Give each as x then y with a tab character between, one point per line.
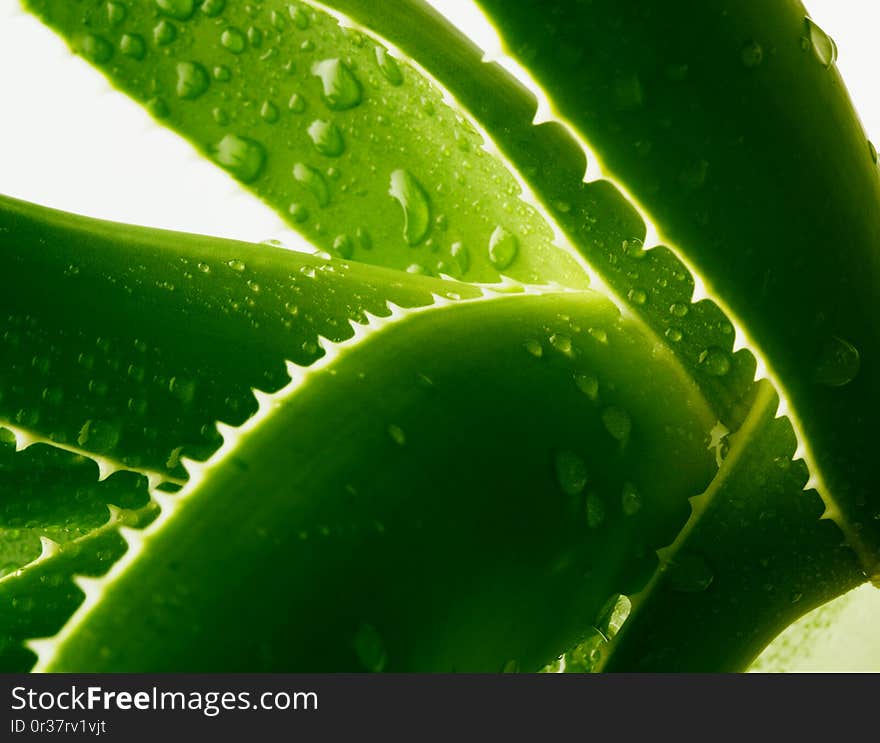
491	424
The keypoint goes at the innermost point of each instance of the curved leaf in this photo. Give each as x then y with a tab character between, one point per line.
729	121
488	529
356	149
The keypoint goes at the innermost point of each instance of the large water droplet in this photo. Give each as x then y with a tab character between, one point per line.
233	40
503	248
98	436
388	67
213	8
689	573
562	343
416	208
269	112
299	16
297	103
341	90
242	157
588	384
370	648
95	48
462	257
344	245
192	80
534	348
715	361
313	181
116	13
837	364
132	45
571	472
822	44
180	10
164	33
326	137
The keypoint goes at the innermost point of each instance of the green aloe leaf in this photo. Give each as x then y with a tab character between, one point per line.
357	150
741	140
142	341
515	530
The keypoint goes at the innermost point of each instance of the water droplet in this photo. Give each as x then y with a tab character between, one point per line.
673	334
689	573
387	66
837	364
588	384
416	208
617	422
630	499
633	248
204	268
312	180
462	257
341	90
192	80
233	40
298	212
269	112
180	10
132	45
503	248
715	361
397	434
418	269
220	116
534	348
95	48
98	436
213	8
562	343
637	296
343	245
115	13
242	157
678	309
595	509
255	37
363	238
297	103
751	54
571	472
236	265
299	16
183	389
164	33
326	137
822	44
157	107
370	648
